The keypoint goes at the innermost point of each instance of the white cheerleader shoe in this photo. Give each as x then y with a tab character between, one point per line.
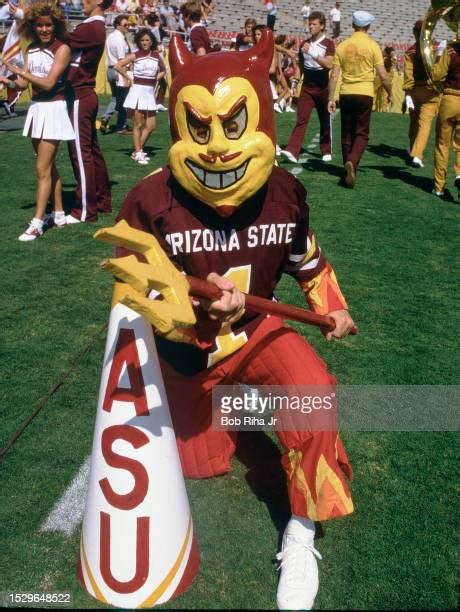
299	582
140	158
35	230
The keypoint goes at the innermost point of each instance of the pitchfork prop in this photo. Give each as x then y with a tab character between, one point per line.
159	274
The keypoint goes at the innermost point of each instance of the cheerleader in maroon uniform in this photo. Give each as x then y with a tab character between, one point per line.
149	68
47	121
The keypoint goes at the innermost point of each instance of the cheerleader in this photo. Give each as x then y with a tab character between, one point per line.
47	121
148	68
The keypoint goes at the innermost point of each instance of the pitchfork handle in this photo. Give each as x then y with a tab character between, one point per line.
209	291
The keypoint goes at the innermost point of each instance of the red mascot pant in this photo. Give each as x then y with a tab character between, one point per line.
315	462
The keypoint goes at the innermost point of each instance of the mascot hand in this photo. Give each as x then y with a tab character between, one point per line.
343	324
230	307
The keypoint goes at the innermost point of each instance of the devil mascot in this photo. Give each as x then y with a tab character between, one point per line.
222	210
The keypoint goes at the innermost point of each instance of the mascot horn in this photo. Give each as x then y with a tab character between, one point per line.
222	123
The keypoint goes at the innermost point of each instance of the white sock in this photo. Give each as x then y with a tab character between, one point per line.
38	223
58	214
305	522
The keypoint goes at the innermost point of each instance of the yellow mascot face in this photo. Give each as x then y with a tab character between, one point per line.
223	149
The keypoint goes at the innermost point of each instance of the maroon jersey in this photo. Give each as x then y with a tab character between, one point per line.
453	73
414	54
199	37
39	63
315	75
87	43
266	236
241	44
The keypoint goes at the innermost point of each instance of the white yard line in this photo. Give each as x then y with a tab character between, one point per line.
68	511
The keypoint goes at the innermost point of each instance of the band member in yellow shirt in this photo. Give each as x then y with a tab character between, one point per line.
357	58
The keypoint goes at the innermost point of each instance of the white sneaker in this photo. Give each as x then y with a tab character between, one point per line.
416	161
438	194
161	108
144	155
289	155
282	104
53	219
299	582
289	109
327	157
278	150
140	159
35	230
277	108
71	220
59	220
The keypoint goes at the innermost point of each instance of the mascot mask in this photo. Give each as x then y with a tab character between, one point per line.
222	124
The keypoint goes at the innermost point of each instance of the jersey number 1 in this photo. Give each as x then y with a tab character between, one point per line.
228	342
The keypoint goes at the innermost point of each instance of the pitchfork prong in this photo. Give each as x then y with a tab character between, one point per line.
163	315
159	274
123	235
143	277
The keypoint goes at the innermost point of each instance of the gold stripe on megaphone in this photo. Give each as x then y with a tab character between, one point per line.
449	11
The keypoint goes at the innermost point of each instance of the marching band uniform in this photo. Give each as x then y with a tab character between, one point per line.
448	122
425	99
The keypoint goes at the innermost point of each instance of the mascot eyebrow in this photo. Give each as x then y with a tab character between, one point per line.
238	105
235	108
192	110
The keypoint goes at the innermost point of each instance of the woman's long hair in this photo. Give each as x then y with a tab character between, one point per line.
43	8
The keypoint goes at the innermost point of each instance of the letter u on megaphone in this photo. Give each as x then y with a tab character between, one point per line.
138	547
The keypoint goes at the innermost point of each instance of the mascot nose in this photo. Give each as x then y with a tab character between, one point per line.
217	146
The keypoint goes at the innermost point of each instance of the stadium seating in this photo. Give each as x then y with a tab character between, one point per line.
393	24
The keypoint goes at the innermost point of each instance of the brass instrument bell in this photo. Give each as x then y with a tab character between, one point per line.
449	12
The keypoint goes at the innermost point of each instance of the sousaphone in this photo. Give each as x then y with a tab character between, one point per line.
449	12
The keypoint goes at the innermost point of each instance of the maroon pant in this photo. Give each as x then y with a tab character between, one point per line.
310	98
315	462
355	114
93	186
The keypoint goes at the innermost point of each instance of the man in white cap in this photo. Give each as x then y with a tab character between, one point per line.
357	58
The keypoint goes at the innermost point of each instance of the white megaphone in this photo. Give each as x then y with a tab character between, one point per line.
138	547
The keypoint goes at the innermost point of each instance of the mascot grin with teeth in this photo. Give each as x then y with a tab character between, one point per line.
222	210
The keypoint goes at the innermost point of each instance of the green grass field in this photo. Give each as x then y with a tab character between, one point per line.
394	247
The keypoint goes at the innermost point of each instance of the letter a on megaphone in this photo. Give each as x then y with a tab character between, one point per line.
138	547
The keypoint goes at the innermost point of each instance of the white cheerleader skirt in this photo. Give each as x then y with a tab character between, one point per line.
48	121
141	97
